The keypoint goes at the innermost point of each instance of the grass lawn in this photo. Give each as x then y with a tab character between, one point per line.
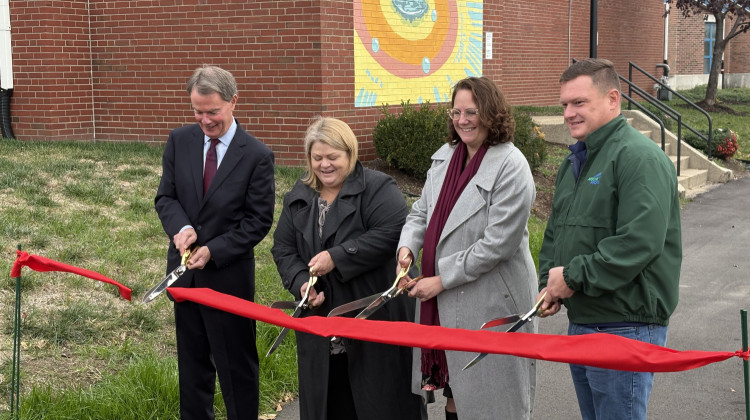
87	353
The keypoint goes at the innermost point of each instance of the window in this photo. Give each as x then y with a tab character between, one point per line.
709	38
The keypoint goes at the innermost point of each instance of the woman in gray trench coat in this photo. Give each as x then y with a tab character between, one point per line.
342	222
470	224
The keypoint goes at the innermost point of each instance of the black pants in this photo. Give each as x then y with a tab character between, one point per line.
211	342
340	399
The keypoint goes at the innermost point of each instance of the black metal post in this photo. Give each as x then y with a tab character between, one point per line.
5	127
15	374
743	320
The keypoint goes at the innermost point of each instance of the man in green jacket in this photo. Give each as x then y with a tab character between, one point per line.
612	249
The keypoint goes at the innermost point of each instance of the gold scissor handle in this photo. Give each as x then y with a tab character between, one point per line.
406	286
186	256
401	274
537	309
310	284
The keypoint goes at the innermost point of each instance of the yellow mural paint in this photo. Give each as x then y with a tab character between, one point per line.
414	50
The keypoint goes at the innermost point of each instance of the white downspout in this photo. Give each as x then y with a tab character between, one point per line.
570	17
6	57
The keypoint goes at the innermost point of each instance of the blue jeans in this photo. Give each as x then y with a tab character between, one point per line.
613	394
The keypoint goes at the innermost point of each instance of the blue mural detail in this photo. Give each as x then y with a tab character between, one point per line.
426	65
434	15
411	9
474	55
375	80
365	98
375	45
437	93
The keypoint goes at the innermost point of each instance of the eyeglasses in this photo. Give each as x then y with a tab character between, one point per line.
470	113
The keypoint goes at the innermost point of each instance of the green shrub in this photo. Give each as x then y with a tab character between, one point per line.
529	139
407	141
723	143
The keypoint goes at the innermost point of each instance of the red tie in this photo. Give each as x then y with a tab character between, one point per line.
210	170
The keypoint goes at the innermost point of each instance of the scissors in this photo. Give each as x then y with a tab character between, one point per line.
299	306
169	279
519	320
374	302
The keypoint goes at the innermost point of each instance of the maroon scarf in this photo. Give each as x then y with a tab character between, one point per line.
434	364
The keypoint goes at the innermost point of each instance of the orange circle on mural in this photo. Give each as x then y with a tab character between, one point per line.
401	56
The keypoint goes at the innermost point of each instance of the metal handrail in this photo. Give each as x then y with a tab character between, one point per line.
657	119
651	98
669	111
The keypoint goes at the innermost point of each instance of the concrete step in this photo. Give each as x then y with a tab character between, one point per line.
684	162
692	178
554	129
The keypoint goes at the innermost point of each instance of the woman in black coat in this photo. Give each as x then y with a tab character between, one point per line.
342	222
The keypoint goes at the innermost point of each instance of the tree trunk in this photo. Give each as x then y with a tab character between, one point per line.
717	54
713	76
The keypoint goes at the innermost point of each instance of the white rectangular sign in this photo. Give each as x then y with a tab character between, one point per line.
488	46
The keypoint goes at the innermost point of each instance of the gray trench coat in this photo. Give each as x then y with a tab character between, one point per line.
486	267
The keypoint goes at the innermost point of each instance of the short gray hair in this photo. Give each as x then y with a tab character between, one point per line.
209	79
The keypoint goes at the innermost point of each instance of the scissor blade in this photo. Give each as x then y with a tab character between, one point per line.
285	304
162	285
278	341
374	306
529	315
490	324
475	360
285	330
520	323
513	328
354	305
500	321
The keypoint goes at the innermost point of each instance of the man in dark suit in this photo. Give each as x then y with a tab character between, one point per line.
222	224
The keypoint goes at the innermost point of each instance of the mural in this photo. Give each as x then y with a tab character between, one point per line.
414	50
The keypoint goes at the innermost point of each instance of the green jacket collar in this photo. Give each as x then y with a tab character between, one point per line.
595	140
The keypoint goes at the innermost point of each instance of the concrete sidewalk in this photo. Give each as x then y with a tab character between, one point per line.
714	286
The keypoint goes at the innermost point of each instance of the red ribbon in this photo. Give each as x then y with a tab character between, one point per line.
37	263
599	350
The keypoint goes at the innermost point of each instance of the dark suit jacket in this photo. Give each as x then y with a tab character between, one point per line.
235	214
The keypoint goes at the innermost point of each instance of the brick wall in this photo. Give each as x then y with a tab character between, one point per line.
737	54
685	43
145	51
632	34
117	72
52	68
533	47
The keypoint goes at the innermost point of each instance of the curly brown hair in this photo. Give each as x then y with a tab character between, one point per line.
494	111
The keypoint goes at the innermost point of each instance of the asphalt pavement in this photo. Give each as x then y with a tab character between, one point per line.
714	286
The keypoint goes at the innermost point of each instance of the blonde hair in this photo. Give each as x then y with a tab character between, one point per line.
334	133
